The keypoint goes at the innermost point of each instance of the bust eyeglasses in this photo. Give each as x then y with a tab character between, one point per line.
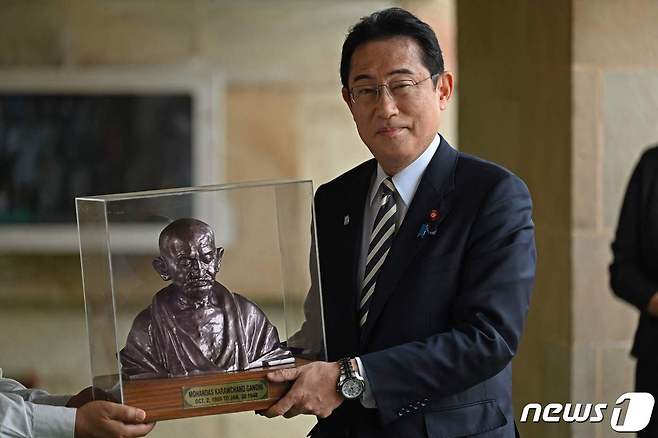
367	95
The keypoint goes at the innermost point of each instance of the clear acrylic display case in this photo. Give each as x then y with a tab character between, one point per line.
270	258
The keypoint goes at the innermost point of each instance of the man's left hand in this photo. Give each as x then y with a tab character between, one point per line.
314	391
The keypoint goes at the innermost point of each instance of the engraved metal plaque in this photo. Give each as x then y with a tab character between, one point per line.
227	393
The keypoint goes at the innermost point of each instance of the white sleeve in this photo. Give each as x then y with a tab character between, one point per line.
23	416
367	399
40	396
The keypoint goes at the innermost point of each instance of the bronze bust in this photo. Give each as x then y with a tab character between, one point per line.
195	324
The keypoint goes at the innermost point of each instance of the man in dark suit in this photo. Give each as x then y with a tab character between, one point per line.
427	259
634	271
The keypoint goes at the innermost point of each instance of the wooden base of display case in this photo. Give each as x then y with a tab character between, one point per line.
207	394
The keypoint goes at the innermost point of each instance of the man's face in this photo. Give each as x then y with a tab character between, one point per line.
192	260
396	130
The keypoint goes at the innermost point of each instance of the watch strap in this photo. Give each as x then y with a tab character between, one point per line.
346	366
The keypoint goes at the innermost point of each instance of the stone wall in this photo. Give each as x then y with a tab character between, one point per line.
284	118
564	94
615	117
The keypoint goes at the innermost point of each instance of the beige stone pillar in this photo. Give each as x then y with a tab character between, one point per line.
441	15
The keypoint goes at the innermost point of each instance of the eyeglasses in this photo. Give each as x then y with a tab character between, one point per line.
398	90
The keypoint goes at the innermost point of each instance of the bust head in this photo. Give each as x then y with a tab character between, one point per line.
188	256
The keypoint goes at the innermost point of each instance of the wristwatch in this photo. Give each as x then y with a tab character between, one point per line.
350	384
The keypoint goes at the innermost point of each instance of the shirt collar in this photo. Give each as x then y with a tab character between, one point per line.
406	181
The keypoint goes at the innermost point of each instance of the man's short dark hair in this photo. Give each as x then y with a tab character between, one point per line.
390	23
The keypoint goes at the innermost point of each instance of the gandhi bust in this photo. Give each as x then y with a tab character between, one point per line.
195	324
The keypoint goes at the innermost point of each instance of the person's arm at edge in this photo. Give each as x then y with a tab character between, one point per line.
24	415
627	280
23	418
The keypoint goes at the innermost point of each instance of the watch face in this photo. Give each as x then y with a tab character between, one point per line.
352	388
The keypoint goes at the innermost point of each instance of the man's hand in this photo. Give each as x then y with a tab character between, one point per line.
652	308
314	391
102	419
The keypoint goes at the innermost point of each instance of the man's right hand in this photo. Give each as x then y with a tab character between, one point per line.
102	419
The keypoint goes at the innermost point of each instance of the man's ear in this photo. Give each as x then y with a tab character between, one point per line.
445	88
160	267
346	97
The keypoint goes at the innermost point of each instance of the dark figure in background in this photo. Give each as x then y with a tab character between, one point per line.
195	324
634	271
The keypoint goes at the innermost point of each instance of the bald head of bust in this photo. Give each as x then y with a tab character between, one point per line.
188	256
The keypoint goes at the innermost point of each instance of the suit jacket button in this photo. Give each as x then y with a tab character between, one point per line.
400	414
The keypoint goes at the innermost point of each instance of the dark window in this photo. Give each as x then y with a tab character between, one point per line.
54	147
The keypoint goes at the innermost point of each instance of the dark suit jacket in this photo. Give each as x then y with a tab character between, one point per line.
448	309
634	270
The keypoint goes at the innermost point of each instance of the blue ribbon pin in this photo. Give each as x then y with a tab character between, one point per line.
422	232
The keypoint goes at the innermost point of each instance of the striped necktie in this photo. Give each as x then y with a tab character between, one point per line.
381	238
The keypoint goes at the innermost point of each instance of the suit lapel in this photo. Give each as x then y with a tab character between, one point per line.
435	184
353	209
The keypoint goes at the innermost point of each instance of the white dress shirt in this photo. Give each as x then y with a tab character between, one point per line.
406	183
33	413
